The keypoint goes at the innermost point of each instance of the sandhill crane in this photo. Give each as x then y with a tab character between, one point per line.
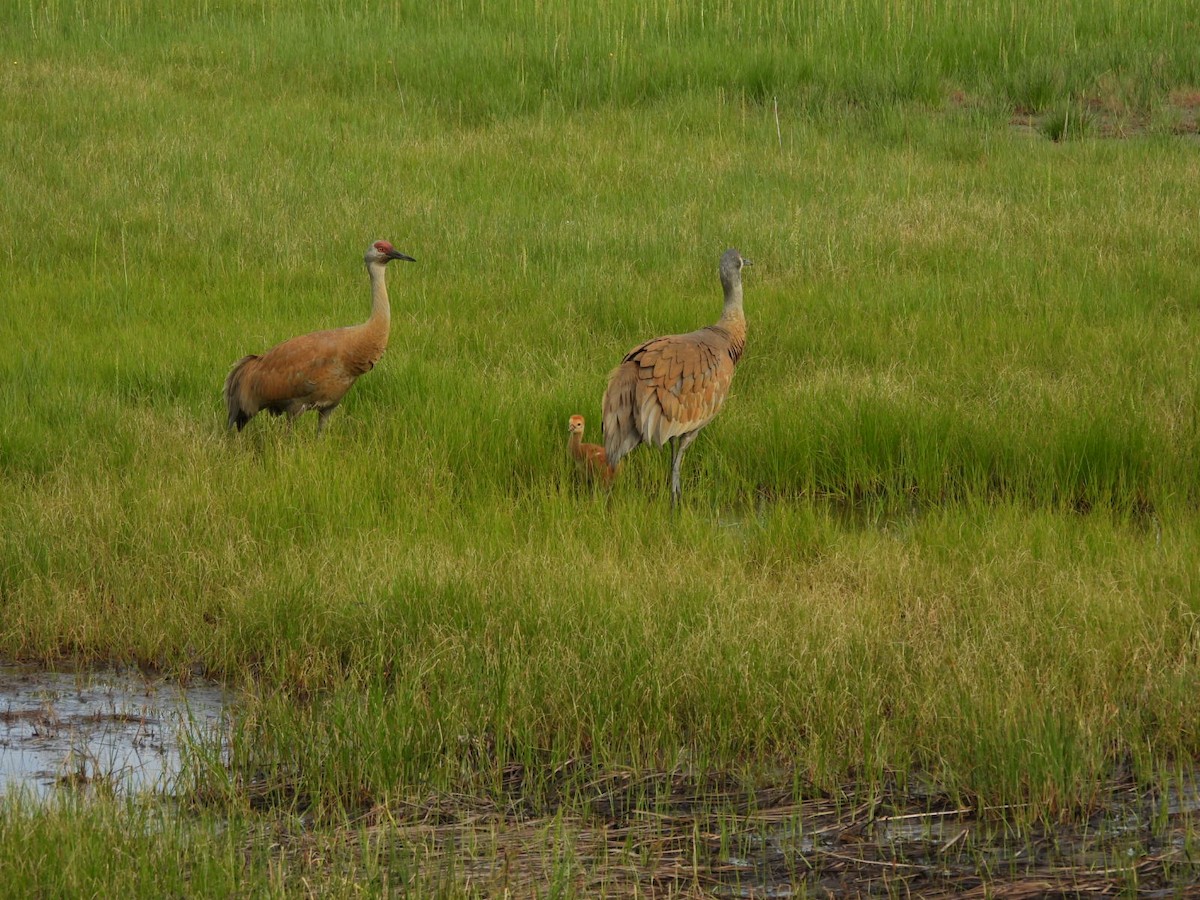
591	459
667	389
314	371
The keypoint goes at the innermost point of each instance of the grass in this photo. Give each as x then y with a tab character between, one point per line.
944	529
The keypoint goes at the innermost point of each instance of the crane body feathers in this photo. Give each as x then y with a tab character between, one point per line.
670	386
311	371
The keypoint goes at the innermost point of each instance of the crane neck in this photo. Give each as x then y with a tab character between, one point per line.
573	444
733	301
381	311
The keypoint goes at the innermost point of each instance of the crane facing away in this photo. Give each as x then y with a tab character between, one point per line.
591	459
314	371
667	389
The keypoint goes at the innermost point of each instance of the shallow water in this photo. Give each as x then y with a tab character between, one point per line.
117	730
1137	836
1140	841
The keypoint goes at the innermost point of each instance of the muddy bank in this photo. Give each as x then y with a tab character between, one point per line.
766	844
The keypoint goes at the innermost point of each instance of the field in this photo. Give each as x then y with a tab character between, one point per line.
936	554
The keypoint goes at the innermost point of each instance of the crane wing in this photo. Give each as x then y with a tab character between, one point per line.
681	382
304	370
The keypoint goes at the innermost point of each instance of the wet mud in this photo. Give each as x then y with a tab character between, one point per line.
1139	842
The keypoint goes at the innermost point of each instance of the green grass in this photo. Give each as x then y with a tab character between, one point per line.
946	523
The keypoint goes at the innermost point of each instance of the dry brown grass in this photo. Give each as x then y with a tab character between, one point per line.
706	838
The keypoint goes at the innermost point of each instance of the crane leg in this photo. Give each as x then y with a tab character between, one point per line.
322	415
678	444
676	459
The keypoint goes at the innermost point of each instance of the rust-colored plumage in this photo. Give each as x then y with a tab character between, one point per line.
591	459
314	371
667	389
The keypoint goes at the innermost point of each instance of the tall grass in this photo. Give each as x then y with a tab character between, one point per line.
482	60
945	523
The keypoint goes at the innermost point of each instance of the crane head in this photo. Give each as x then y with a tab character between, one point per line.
575	424
732	262
731	269
383	252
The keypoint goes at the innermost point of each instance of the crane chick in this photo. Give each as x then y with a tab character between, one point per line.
667	389
590	459
314	371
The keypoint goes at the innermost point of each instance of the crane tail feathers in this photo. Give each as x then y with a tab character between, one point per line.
619	420
239	413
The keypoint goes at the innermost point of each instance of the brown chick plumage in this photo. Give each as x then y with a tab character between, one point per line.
590	459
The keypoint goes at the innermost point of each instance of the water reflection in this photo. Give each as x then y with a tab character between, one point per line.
115	731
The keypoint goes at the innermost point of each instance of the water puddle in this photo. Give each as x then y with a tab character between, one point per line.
118	731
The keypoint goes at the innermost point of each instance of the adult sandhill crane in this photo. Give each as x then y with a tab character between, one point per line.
314	371
591	459
667	389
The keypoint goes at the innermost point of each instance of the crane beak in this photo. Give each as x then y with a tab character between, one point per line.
396	254
747	262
